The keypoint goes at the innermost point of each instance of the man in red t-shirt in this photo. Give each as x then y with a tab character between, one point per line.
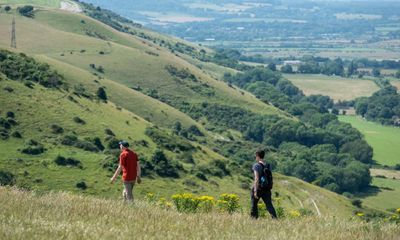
129	164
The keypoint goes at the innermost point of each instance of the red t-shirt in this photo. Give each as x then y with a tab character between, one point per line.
128	161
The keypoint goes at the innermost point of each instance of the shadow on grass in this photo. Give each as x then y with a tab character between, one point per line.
368	192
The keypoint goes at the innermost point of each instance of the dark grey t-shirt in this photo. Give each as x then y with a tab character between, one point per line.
257	167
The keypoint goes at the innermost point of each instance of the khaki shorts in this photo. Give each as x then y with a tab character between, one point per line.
128	191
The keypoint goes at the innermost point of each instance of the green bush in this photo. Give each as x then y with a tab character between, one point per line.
165	167
72	140
17	66
62	161
79	120
56	129
33	147
26	11
357	203
6	178
16	134
81	185
10	114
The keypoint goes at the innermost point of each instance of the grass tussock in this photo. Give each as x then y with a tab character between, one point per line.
27	215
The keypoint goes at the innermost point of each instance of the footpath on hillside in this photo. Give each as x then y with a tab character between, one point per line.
70	6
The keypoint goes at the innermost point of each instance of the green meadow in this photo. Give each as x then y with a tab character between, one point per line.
384	194
383	139
338	88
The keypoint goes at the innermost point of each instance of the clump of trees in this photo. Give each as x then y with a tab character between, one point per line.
383	106
19	67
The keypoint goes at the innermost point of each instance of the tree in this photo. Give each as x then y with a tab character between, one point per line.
376	72
397	74
359	149
101	94
352	69
7	8
163	166
271	66
287	69
26	11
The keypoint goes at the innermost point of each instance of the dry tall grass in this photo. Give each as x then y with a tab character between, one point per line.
26	215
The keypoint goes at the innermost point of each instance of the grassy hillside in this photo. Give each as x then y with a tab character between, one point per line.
149	86
38	108
127	60
383	139
337	88
62	215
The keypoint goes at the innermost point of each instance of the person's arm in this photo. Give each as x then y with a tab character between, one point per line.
255	185
119	169
139	173
117	172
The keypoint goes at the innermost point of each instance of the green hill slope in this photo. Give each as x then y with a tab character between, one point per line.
149	88
38	109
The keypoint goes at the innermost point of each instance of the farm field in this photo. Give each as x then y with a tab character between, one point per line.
338	88
383	139
384	194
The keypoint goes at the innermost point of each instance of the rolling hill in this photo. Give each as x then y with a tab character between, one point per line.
152	82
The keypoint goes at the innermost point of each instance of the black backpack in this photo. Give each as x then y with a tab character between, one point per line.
265	182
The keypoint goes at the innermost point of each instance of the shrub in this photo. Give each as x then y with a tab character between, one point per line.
79	120
72	140
112	142
7	8
195	130
5	123
12	121
26	11
101	94
357	203
33	147
29	84
164	167
16	134
81	185
228	203
109	132
201	176
10	114
62	161
97	142
6	178
56	129
186	202
3	133
8	89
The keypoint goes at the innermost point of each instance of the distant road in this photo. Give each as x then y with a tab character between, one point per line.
70	6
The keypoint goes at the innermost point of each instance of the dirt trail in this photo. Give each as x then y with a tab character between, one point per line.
70	6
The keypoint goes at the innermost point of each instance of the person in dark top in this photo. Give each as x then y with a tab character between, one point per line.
262	186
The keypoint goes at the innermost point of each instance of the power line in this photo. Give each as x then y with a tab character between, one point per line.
13	37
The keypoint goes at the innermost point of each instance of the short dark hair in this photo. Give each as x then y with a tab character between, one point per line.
260	154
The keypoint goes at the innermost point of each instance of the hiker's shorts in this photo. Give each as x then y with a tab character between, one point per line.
128	190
